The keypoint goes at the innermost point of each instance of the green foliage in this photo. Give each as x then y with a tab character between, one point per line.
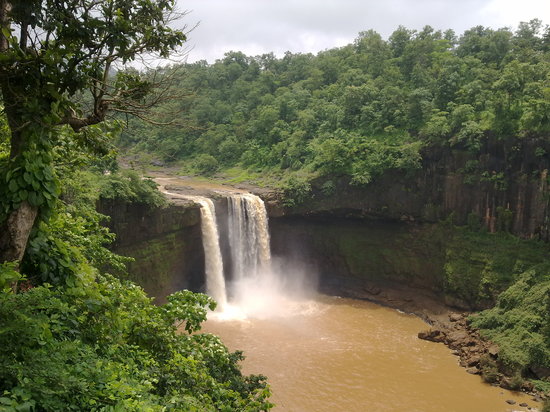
489	369
519	321
362	109
8	276
56	79
128	185
328	188
205	164
105	346
295	191
480	265
29	178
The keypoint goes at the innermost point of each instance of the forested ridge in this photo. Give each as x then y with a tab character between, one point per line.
360	109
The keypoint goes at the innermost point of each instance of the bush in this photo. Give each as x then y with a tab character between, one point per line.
205	164
104	346
131	187
295	190
519	322
489	369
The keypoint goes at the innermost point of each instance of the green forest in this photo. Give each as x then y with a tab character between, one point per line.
358	110
75	334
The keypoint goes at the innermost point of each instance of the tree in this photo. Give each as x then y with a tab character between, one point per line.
56	56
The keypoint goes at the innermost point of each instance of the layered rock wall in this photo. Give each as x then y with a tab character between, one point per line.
505	187
165	243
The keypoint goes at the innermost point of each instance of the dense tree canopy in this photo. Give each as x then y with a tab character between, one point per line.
362	108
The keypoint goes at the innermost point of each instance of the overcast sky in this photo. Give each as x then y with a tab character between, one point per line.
262	26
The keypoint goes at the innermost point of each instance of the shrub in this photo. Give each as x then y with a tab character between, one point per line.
104	346
205	164
295	190
128	185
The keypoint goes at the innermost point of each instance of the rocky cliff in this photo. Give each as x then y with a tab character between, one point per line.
503	187
165	243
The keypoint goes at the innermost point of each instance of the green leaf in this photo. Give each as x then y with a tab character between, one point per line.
27	177
13	187
6	32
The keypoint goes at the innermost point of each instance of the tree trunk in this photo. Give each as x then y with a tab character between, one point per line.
15	231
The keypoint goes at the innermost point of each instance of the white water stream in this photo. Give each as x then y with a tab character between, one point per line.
213	262
248	236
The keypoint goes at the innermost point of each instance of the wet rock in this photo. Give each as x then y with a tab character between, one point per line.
473	371
473	361
527	386
523	405
433	335
373	290
458	338
510	402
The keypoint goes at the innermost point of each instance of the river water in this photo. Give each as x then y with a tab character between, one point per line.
333	354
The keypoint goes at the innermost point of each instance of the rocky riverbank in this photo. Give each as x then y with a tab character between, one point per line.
477	355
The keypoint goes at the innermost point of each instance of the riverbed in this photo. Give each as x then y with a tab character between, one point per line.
334	354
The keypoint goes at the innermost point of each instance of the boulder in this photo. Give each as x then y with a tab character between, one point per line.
455	317
493	350
433	335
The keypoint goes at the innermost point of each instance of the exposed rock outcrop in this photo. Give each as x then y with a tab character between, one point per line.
477	355
504	187
165	242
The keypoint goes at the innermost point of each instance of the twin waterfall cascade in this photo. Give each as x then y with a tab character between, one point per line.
254	286
248	239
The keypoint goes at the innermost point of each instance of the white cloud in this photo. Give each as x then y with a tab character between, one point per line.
262	26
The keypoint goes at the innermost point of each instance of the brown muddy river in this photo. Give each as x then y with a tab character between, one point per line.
333	354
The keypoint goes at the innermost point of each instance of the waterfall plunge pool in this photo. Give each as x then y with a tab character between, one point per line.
330	354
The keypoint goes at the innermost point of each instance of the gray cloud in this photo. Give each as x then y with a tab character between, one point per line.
262	26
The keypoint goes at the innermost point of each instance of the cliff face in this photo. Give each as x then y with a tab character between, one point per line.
505	188
360	257
165	243
386	233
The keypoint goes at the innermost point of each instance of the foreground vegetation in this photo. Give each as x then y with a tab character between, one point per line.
74	337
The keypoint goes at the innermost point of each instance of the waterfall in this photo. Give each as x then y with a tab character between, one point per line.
213	263
258	288
248	235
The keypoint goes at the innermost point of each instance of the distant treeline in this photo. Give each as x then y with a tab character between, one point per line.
360	109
